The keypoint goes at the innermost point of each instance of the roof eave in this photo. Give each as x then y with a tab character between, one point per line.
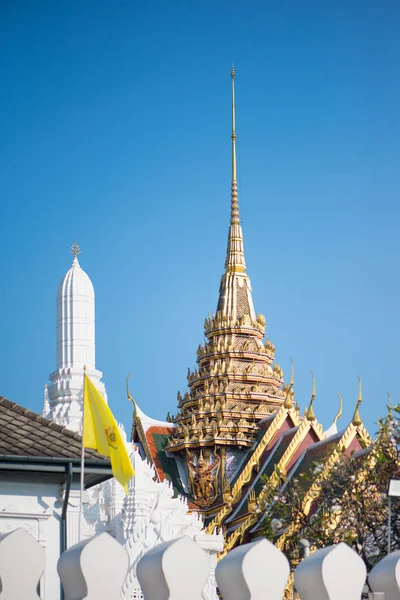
95	470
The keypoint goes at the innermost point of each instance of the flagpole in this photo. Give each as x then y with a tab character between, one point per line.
80	526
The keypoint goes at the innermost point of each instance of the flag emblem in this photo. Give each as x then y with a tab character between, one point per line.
111	437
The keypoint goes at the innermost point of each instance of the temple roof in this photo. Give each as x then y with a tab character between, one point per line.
147	421
25	434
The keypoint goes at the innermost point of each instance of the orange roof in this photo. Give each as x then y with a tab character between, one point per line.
154	451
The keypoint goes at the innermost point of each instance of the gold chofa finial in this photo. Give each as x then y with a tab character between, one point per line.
390	405
356	417
289	397
292	377
130	397
75	250
340	408
310	416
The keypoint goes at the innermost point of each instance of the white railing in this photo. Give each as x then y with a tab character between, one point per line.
178	570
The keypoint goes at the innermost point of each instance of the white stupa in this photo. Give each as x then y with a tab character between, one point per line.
151	513
75	335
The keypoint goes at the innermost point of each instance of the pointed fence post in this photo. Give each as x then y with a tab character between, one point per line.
22	562
175	570
385	577
94	569
256	571
332	573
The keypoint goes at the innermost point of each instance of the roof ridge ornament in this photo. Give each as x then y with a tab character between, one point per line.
356	420
390	405
310	416
340	412
289	393
292	377
129	395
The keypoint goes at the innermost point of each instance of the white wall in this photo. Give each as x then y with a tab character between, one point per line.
36	507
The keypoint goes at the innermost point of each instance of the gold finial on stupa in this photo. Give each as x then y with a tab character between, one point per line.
75	250
340	408
310	416
356	420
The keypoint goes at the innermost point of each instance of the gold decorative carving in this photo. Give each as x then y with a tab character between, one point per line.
203	480
252	502
252	462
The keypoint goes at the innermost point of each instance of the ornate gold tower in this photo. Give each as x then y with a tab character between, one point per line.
235	385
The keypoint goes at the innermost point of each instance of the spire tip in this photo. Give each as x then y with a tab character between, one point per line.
75	250
356	417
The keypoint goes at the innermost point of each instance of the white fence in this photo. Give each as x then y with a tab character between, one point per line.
178	570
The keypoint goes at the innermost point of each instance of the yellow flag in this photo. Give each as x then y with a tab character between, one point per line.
101	432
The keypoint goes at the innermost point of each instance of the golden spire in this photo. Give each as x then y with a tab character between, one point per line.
340	408
356	417
310	416
75	250
234	208
292	377
235	262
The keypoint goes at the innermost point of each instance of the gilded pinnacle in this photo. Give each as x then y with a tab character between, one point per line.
356	417
390	406
288	400
235	262
310	415
292	377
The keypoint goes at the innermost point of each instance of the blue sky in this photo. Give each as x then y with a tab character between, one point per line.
115	131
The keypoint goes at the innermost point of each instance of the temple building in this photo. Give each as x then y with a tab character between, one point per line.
204	472
238	424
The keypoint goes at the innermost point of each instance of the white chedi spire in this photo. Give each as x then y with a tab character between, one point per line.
75	319
75	337
46	403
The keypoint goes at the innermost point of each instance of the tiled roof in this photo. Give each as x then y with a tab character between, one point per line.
317	453
25	433
266	470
